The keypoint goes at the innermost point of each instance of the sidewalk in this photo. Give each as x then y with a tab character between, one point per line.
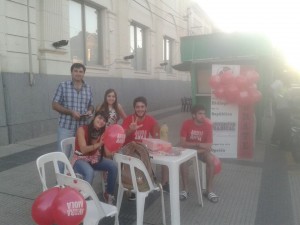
261	191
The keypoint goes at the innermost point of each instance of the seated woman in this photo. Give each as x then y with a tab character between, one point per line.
89	152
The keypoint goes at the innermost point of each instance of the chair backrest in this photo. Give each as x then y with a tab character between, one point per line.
86	189
56	158
136	166
68	147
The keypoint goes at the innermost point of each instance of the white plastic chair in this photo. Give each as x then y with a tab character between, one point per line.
68	147
135	163
203	174
55	158
96	210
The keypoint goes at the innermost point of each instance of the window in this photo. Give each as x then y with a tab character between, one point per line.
138	47
167	54
85	38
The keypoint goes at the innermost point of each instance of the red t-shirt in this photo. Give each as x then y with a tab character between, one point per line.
197	133
145	131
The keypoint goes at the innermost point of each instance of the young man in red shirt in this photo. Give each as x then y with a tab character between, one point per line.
139	125
196	133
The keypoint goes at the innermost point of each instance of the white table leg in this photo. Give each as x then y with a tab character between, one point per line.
197	180
174	194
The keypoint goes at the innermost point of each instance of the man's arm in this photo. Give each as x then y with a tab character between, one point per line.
59	108
200	147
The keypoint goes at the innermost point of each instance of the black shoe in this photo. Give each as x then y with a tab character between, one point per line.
132	197
166	188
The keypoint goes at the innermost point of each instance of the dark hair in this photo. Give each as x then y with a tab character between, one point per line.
77	65
93	133
104	106
140	99
197	108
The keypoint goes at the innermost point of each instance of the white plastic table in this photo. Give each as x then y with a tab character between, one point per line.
173	163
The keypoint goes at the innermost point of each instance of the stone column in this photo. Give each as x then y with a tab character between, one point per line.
4	140
54	26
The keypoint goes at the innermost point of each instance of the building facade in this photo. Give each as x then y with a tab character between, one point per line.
128	45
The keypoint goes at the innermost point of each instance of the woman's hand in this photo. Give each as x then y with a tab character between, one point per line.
108	153
99	142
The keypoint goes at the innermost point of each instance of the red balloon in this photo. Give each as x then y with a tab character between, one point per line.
114	137
215	81
252	76
217	164
231	93
42	207
227	78
69	207
220	93
255	95
244	98
242	82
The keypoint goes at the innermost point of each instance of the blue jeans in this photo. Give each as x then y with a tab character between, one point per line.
63	133
87	171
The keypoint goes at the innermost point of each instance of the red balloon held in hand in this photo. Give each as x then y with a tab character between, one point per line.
41	210
114	137
69	207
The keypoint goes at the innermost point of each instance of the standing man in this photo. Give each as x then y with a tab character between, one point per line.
73	100
196	133
139	125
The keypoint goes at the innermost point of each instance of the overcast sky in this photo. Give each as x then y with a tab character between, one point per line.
278	19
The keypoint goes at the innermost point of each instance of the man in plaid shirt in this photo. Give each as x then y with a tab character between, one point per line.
73	100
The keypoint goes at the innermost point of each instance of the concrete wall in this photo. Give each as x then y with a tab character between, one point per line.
28	108
31	67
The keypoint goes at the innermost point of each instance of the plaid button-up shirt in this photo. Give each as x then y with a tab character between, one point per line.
80	101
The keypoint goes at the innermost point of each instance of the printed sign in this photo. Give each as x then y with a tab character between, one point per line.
225	119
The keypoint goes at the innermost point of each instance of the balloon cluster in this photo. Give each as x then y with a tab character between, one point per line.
240	89
61	206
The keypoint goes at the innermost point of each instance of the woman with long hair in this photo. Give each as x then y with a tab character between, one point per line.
111	106
89	152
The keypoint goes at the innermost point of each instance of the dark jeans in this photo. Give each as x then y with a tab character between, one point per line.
87	171
281	130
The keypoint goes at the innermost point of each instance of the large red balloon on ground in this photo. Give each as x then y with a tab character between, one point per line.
69	207
42	207
114	137
217	164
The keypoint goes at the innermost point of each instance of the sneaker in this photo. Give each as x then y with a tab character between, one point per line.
109	199
166	188
132	197
183	195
